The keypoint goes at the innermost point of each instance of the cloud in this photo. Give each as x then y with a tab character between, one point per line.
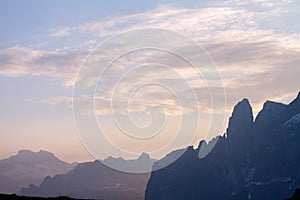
62	32
259	71
231	21
254	59
19	61
53	101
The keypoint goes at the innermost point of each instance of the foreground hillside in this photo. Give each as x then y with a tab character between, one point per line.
15	197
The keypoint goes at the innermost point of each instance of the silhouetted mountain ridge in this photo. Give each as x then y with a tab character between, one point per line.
254	160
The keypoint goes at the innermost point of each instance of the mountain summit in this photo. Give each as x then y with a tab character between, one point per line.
256	160
241	121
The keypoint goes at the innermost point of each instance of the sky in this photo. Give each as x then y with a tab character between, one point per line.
57	95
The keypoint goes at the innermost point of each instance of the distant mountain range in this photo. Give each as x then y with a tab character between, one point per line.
29	167
255	159
97	181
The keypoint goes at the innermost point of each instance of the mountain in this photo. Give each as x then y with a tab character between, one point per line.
142	164
29	167
254	160
97	181
8	185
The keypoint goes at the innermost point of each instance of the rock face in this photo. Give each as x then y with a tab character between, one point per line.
254	160
95	180
29	167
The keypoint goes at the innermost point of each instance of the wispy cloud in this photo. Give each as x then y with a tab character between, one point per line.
61	32
19	61
53	101
254	59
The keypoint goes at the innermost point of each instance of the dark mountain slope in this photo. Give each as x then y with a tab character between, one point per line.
254	160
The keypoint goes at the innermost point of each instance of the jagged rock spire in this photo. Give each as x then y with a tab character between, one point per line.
241	119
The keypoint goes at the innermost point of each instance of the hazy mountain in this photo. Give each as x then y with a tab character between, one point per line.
96	180
142	164
8	185
254	160
29	167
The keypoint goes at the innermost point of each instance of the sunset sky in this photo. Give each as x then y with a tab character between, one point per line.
254	46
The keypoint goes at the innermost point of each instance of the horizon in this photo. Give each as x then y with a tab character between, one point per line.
94	159
151	99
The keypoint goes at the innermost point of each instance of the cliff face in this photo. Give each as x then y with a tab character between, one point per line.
256	160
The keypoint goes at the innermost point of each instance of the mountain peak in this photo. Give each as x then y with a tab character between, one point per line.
241	118
242	106
144	156
245	100
25	152
271	104
270	108
294	106
43	152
